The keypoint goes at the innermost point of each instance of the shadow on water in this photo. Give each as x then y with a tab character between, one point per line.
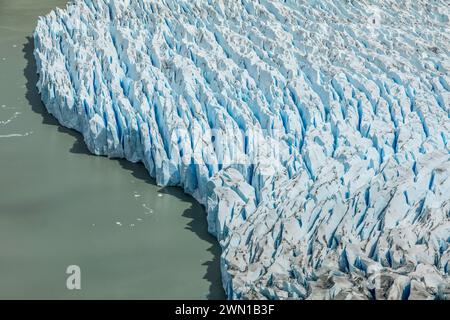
197	224
34	99
195	213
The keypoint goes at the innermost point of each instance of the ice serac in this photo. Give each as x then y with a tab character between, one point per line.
316	133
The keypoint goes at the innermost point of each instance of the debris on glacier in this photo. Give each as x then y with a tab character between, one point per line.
315	133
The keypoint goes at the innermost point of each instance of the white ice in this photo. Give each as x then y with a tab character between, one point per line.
316	133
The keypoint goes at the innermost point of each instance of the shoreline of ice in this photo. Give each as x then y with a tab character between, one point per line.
315	133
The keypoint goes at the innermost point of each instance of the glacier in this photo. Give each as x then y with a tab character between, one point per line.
315	133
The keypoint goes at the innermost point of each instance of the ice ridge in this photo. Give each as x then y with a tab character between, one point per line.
315	133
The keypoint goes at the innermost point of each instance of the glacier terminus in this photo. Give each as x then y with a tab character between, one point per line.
315	133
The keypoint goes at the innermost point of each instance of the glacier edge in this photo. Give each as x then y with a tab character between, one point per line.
319	146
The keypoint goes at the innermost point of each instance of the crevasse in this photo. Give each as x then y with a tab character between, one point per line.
315	133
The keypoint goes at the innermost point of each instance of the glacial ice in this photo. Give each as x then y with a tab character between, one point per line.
315	133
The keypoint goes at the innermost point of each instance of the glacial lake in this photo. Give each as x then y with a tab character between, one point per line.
61	206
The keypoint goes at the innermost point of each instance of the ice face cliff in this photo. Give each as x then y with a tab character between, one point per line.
316	133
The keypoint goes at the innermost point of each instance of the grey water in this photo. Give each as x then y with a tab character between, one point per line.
61	206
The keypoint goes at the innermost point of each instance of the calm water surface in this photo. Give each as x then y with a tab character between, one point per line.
60	206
